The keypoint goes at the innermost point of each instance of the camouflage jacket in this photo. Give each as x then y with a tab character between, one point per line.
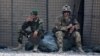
63	23
33	25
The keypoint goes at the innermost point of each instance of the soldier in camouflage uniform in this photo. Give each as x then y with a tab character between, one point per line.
36	26
66	26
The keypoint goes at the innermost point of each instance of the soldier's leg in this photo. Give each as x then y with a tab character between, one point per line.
21	33
35	49
20	39
59	35
37	40
78	41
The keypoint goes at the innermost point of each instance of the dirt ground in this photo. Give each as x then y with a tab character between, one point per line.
8	52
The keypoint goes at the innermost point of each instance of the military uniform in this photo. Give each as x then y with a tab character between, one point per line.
62	30
35	25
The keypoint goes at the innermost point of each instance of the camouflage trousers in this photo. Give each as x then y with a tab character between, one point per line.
30	37
34	40
75	34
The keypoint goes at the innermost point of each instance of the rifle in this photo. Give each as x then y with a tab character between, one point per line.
75	10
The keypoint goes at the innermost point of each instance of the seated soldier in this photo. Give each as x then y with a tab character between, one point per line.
36	27
66	26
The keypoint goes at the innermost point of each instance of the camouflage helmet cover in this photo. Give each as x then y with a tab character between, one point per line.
66	8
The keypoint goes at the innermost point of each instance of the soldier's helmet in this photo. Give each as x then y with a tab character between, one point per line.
66	8
34	12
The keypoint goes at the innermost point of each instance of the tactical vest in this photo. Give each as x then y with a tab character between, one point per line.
65	22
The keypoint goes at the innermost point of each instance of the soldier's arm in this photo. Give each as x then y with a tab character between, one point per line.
58	23
65	28
26	24
39	28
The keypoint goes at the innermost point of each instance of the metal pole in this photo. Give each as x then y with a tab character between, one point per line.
12	22
91	22
47	23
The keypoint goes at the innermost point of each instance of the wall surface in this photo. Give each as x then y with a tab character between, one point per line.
14	12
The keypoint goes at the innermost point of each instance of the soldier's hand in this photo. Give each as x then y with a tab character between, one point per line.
72	29
29	18
69	26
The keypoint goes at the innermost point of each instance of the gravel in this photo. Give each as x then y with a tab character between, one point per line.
9	52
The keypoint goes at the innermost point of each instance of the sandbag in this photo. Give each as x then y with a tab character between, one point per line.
96	49
69	43
29	46
48	44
